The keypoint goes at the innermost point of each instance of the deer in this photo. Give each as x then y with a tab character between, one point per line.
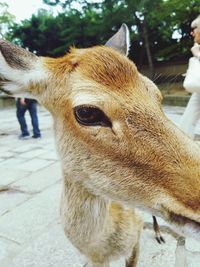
118	150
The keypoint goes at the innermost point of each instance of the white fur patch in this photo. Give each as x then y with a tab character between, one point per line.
18	78
117	129
128	44
85	99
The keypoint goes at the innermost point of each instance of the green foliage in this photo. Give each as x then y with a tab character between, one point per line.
6	19
95	21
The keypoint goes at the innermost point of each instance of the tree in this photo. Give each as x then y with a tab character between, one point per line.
52	36
6	19
176	16
151	23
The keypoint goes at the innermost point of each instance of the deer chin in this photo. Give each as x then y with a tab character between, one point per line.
183	225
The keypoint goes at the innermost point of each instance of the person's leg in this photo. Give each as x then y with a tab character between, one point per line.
191	115
34	119
20	112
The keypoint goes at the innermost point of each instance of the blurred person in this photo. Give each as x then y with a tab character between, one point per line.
192	111
24	104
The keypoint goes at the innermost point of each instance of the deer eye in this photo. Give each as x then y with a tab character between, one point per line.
91	116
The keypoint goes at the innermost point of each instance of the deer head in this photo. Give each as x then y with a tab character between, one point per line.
112	135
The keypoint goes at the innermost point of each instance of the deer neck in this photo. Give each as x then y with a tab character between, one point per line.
82	212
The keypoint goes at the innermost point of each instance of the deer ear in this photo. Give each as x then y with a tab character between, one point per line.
15	57
120	40
18	67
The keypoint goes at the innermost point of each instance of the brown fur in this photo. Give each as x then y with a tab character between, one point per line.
144	160
16	57
106	67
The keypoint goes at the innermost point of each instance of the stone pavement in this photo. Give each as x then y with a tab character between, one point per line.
30	230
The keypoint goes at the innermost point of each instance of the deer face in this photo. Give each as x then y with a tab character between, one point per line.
112	135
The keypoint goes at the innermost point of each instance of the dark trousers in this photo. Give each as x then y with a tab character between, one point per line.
31	106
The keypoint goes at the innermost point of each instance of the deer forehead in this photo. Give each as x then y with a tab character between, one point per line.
97	75
108	68
100	64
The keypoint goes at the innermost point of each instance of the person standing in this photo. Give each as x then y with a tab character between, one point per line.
24	104
192	111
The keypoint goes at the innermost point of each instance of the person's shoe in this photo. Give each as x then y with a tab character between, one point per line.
36	136
24	137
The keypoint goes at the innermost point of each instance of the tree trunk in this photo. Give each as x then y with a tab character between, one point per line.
143	33
147	48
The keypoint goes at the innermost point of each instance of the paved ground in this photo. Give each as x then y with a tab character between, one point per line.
30	230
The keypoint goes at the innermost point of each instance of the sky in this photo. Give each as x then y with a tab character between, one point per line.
23	9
